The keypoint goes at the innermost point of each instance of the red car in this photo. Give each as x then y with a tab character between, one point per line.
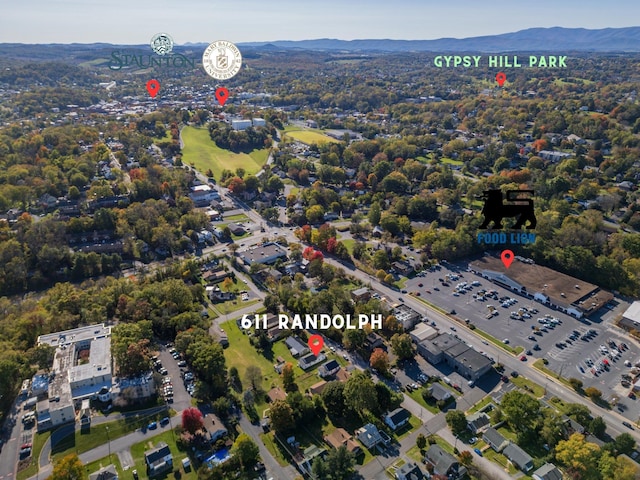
523	358
25	445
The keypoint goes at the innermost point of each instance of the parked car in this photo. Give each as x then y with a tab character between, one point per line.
152	426
164	421
478	451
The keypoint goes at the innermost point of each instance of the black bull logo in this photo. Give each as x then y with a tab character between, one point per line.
495	209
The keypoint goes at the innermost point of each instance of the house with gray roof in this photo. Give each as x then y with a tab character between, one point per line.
478	422
548	471
369	436
494	439
518	457
438	392
444	463
296	347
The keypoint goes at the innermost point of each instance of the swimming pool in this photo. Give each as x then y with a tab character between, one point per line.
219	457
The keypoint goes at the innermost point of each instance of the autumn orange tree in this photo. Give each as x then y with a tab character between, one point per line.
379	360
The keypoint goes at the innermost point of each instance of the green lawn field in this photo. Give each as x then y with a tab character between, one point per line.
201	151
308	135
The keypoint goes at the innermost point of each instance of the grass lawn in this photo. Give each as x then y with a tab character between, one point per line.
307	135
240	217
480	405
536	390
84	441
137	452
500	460
451	161
200	150
417	396
38	442
231	306
414	422
271	444
543	368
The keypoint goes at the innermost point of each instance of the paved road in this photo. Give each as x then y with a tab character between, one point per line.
273	467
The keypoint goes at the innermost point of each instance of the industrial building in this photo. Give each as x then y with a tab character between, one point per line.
463	359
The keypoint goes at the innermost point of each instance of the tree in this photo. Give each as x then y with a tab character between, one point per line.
466	458
580	413
457	421
552	430
192	420
421	441
253	376
360	393
281	416
341	463
288	380
624	444
402	346
576	384
578	454
593	393
68	468
247	452
521	411
598	427
379	360
333	397
374	214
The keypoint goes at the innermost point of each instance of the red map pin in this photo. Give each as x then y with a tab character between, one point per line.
153	87
507	257
316	342
501	78
222	94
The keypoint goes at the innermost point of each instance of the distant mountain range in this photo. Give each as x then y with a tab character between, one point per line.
555	39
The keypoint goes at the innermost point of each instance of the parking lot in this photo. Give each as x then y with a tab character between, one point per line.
572	347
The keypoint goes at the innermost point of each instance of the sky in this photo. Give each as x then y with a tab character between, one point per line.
204	21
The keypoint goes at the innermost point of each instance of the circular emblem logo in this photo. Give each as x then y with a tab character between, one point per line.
222	60
162	44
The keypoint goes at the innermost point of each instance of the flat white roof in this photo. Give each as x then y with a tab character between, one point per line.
633	312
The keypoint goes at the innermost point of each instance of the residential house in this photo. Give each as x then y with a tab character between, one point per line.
397	418
548	471
296	347
328	369
311	360
570	426
410	471
360	294
158	460
444	463
236	229
438	392
518	457
318	388
276	393
373	341
494	439
107	473
478	422
403	268
341	438
214	427
369	436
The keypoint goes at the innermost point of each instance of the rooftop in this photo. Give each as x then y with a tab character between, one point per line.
561	289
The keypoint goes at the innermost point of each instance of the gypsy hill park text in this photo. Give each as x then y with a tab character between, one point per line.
500	61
